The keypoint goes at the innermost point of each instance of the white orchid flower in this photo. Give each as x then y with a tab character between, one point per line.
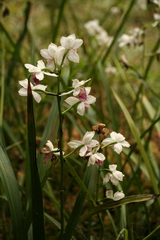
156	17
54	55
77	86
96	158
94	29
39	70
118	141
116	196
24	91
85	99
114	177
135	38
126	40
49	151
87	141
71	43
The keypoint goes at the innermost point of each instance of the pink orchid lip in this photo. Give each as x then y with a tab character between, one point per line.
82	95
89	149
47	157
35	80
99	162
87	105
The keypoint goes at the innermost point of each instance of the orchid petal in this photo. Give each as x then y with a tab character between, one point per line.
88	137
83	151
44	53
40	64
75	143
90	99
117	148
24	83
73	56
40	87
71	100
118	195
36	96
81	108
113	167
109	193
22	92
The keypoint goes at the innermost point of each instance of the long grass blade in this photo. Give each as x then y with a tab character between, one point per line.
36	192
138	140
74	218
109	204
12	193
119	29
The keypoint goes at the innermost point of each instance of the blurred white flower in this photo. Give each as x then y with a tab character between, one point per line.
135	38
94	29
156	18
118	141
39	70
104	39
49	151
53	54
111	70
156	2
96	158
114	177
116	196
77	86
126	40
71	44
23	91
85	99
115	10
142	4
87	141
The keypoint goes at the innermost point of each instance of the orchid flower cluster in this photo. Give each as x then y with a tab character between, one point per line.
56	58
94	29
135	38
91	150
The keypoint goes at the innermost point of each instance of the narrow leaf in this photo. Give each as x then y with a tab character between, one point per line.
136	134
36	192
109	204
75	215
10	185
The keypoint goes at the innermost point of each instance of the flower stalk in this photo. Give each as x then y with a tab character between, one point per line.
60	145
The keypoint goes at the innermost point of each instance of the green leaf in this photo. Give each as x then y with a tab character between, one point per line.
136	134
75	215
151	111
12	193
36	191
52	123
109	204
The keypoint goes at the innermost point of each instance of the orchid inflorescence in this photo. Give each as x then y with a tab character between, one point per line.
90	149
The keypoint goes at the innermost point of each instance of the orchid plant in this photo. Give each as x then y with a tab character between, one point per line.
58	57
80	129
92	147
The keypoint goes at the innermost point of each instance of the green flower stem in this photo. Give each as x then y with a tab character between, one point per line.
124	20
152	233
70	107
2	87
61	158
69	154
105	169
45	92
109	144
